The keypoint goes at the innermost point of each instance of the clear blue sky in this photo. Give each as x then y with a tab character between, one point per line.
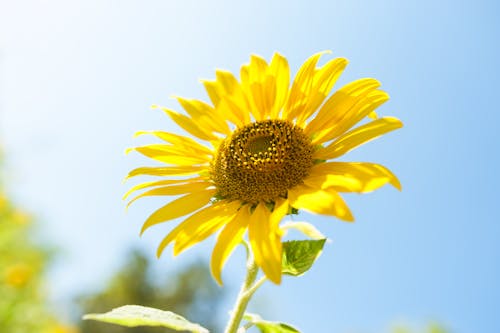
77	79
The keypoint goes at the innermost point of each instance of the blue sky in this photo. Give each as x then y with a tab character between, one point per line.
77	79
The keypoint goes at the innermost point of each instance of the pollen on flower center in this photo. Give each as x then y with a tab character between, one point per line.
261	161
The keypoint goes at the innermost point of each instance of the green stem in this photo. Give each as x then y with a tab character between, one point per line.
246	292
250	291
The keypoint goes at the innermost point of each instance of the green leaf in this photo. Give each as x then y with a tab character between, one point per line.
135	315
269	326
300	255
435	328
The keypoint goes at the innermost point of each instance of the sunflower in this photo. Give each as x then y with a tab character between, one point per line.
268	153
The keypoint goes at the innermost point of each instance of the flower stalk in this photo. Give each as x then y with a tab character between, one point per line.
247	290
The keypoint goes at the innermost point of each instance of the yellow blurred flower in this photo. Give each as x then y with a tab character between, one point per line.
20	218
59	328
18	275
3	201
270	146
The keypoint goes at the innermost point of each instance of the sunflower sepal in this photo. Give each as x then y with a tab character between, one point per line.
305	228
136	315
300	255
266	326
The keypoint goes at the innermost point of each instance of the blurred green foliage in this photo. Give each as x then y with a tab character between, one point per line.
432	328
24	307
190	293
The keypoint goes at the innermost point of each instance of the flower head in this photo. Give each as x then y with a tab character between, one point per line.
18	275
269	151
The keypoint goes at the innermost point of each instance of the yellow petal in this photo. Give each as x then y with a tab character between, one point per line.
202	113
199	226
179	207
323	82
265	242
326	202
180	141
225	84
161	183
198	130
357	112
171	154
256	85
173	190
263	93
373	115
234	111
229	99
168	171
357	137
212	89
334	180
351	176
339	104
280	210
227	240
280	70
301	87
